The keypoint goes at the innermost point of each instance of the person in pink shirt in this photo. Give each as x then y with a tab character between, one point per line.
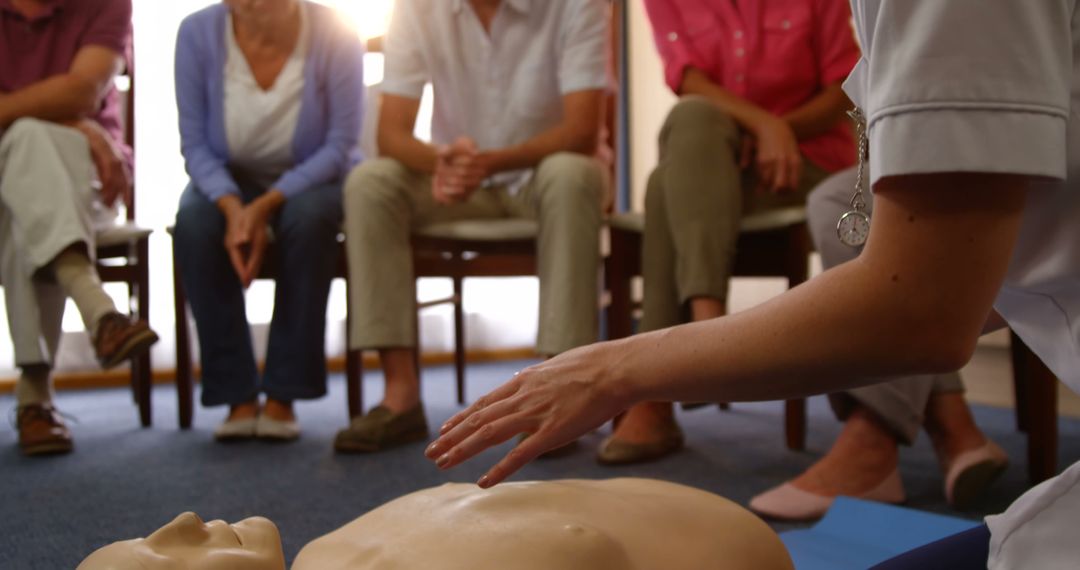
760	122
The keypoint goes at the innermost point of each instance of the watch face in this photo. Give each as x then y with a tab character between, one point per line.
853	228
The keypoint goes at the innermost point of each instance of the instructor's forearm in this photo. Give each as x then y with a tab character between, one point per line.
915	301
820	114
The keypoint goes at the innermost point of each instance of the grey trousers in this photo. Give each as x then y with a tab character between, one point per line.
385	201
48	202
901	402
694	202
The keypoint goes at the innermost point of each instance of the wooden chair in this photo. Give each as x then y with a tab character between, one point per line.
184	381
771	244
123	257
1036	410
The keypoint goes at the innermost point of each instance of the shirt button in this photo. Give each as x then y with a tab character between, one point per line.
740	52
786	24
672	37
740	78
738	34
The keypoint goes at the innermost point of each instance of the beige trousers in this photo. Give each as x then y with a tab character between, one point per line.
694	202
385	201
899	403
48	202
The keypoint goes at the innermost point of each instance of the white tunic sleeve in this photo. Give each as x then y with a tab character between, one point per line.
966	86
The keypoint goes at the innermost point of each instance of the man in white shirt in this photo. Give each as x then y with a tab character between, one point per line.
518	97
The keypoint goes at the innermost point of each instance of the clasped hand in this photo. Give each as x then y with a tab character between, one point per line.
246	235
773	151
459	170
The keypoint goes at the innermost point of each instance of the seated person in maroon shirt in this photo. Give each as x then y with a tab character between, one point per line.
63	170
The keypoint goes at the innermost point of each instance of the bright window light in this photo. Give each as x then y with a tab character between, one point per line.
371	17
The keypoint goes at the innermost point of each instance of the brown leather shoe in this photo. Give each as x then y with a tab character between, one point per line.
120	338
42	431
382	429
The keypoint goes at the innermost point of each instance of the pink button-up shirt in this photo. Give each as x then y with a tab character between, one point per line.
777	54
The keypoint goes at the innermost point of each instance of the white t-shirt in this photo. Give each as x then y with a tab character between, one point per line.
500	88
260	125
994	86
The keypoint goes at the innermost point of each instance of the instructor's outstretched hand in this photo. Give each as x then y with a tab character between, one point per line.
555	402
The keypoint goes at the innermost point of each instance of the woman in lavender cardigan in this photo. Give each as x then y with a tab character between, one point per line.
270	100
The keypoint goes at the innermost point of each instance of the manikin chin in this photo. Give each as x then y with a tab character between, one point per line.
618	524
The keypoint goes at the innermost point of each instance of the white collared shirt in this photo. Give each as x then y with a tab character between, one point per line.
994	86
502	88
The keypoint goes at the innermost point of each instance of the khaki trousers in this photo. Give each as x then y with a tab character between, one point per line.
385	201
899	403
694	202
47	203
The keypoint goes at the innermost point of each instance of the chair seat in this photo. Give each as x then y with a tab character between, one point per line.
121	234
509	229
760	222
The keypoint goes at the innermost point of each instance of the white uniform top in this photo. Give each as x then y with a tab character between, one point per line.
500	88
260	124
994	86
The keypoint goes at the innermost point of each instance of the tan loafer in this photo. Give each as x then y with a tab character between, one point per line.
382	429
614	451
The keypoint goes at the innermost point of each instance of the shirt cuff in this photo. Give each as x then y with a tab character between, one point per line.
409	89
941	138
582	82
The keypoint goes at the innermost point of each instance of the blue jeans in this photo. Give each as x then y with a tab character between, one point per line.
304	253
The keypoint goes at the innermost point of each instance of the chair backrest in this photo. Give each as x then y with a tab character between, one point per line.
125	86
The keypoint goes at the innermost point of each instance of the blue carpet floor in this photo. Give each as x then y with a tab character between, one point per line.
124	481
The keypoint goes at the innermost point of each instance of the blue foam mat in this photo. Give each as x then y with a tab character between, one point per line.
858	534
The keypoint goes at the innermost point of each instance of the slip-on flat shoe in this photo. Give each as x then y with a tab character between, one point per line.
788	502
381	429
615	451
971	472
276	430
235	430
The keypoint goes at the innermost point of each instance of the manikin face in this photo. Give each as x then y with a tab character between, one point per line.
187	543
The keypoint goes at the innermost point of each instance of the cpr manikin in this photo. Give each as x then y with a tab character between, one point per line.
619	524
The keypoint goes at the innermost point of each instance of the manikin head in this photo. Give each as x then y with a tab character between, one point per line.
187	543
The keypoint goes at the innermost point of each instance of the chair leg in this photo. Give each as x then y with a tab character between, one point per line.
141	369
1019	354
184	399
619	276
1037	404
795	424
354	360
354	381
459	337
